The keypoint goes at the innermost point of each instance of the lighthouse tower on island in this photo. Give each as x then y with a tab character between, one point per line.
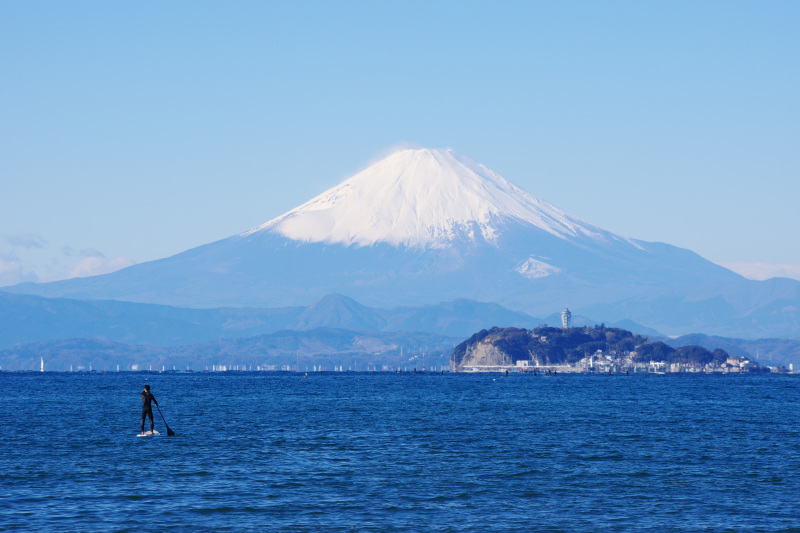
565	318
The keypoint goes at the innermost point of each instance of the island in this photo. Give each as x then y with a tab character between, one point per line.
586	349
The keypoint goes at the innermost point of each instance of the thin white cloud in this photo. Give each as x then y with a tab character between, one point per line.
762	271
11	271
31	258
96	265
91	252
26	240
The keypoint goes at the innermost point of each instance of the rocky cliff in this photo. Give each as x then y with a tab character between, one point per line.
481	350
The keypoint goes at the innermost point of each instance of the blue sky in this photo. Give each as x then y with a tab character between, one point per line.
133	131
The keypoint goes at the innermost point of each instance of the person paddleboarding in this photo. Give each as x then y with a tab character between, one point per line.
147	409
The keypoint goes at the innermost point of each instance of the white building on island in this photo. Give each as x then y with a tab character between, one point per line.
566	316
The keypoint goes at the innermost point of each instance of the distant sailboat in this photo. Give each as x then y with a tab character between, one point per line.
41	361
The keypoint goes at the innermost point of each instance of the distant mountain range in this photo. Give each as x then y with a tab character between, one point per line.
425	226
334	331
26	319
316	349
768	352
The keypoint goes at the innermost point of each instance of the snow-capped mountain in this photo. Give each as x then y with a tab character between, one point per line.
424	199
425	226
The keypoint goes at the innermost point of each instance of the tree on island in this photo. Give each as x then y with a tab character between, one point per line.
546	345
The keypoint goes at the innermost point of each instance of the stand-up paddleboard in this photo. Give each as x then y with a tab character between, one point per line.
148	434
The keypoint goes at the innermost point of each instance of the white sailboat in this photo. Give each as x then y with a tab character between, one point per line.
41	363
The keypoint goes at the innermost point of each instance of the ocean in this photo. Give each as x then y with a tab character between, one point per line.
380	451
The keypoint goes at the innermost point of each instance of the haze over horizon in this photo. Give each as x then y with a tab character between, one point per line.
133	134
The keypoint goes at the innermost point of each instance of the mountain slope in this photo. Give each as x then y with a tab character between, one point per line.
425	226
423	199
26	319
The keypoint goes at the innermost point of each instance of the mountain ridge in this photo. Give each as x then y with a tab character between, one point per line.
423	198
280	350
26	319
476	253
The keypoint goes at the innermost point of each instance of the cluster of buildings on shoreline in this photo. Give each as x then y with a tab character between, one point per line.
611	363
613	360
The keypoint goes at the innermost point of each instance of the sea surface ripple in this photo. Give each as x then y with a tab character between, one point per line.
401	452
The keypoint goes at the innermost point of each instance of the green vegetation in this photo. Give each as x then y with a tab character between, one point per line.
555	346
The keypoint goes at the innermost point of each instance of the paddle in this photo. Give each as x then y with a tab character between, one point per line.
169	431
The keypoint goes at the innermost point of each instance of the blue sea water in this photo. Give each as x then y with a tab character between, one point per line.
401	452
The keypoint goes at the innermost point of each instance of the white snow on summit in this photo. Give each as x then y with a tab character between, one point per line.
423	199
534	269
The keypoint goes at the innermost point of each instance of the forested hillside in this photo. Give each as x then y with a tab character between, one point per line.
555	346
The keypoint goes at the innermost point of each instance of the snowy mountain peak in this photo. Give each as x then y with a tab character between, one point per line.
423	198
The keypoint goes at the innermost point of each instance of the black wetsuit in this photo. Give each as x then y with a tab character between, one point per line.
147	409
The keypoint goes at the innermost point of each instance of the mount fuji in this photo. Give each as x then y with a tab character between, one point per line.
425	226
